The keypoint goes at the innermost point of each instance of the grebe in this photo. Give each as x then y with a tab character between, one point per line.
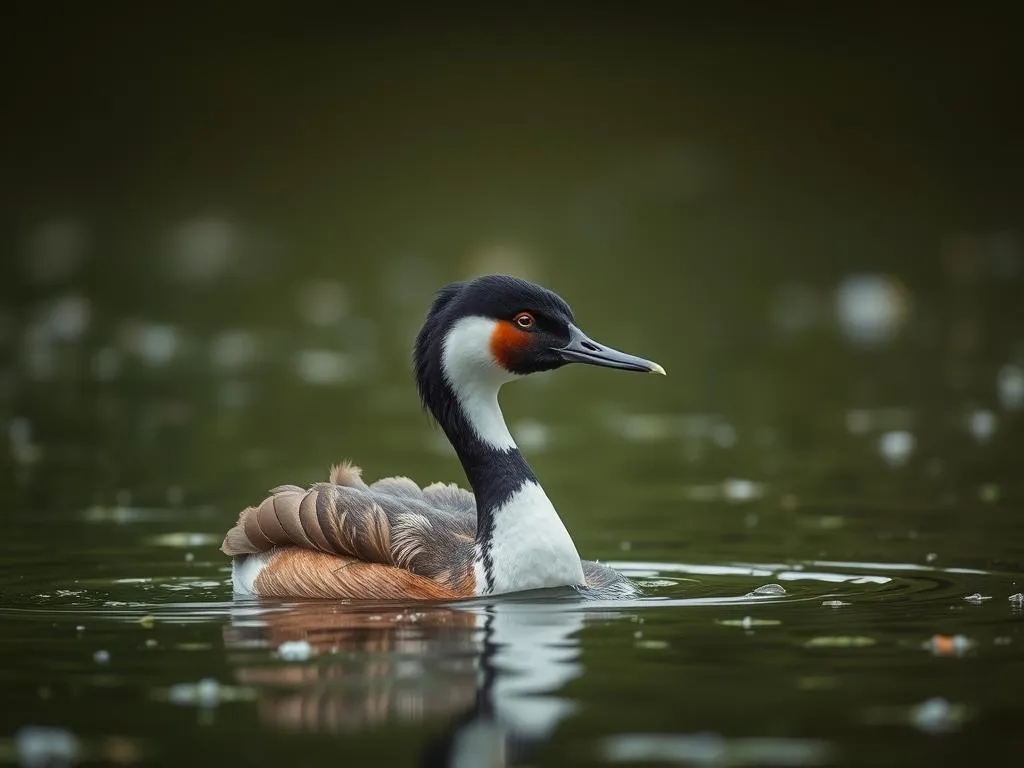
394	540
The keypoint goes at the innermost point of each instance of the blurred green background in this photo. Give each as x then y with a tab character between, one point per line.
222	225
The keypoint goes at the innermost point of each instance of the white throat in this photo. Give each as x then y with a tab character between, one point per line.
475	378
530	547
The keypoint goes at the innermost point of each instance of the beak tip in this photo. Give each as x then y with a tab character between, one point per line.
655	368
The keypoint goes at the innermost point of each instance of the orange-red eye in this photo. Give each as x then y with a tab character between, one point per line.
525	320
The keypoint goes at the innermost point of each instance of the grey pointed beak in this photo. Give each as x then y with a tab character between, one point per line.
582	349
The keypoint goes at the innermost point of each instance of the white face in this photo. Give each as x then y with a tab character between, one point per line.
468	356
475	376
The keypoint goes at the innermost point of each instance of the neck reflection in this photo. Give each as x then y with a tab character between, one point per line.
486	678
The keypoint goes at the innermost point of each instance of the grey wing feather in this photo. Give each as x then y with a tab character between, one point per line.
430	532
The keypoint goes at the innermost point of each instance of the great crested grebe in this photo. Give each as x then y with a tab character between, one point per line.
394	540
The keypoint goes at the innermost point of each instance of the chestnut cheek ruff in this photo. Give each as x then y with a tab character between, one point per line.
508	344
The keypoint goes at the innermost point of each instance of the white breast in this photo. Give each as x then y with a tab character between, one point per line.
530	548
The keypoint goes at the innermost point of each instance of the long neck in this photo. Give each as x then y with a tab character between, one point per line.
521	543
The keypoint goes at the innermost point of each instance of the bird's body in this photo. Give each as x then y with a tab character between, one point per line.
345	539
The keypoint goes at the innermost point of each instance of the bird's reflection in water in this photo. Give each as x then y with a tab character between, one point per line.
493	671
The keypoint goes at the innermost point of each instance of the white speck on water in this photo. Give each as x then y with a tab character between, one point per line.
152	642
295	650
982	425
834	603
931	557
736	489
977	598
1010	386
896	447
101	657
189	557
207	693
709	749
156	344
80	628
40	746
871	309
724	435
936	715
67	318
1017	599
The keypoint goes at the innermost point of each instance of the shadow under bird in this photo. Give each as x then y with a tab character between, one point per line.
346	539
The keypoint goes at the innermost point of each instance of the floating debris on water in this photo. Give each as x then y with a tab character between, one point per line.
184	539
840	641
80	628
871	309
713	749
896	447
977	598
1010	385
651	645
767	590
152	642
936	715
147	622
101	657
747	622
39	746
737	489
931	557
295	650
834	603
1017	599
949	645
206	693
982	425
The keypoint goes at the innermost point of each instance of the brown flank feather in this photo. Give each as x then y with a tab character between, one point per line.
302	573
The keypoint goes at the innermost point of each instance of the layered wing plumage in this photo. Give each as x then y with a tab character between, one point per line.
394	522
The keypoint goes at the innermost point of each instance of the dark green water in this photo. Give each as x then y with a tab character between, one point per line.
216	254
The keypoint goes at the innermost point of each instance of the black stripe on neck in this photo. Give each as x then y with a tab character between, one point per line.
494	474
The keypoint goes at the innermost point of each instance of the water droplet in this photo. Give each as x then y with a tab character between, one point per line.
896	447
771	590
1010	386
982	425
295	650
39	746
871	309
